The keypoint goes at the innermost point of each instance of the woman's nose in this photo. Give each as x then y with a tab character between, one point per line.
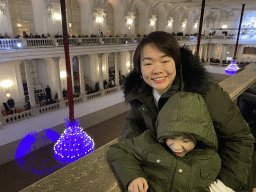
157	68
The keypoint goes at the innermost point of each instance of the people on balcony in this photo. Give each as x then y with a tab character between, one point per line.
48	92
31	36
37	36
10	103
25	35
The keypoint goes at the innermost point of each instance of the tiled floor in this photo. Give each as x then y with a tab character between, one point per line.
14	178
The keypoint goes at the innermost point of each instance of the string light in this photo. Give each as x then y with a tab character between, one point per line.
232	68
73	144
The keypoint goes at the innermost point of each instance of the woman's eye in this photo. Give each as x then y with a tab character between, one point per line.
165	61
147	64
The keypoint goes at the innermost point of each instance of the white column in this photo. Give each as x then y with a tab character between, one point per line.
57	75
27	64
131	60
106	68
210	48
40	16
240	52
19	83
223	53
117	66
206	46
81	73
100	71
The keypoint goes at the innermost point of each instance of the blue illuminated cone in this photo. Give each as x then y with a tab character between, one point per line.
73	144
232	68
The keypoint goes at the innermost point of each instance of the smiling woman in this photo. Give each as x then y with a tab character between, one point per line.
161	70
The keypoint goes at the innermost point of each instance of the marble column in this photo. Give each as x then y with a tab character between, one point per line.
240	52
40	16
223	53
100	71
206	48
210	48
19	82
131	60
106	68
117	66
81	73
27	64
57	75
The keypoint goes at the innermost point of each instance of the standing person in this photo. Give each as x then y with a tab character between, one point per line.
179	156
161	69
10	103
48	92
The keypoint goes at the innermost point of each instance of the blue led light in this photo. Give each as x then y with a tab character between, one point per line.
73	144
19	45
232	68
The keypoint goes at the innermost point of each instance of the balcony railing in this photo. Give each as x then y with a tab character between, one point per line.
6	120
85	41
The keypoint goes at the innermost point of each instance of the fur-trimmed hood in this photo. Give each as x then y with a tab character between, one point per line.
193	77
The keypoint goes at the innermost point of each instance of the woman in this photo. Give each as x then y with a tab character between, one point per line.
161	69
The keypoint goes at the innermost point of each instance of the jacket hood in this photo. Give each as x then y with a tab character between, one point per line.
192	77
186	113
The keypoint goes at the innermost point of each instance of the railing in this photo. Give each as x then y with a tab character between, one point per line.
111	90
85	41
93	95
5	120
17	117
76	100
49	108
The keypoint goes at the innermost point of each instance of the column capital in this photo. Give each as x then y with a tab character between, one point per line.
81	56
131	52
117	53
56	58
100	55
27	61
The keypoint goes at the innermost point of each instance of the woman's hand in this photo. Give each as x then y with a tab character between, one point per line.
219	187
138	185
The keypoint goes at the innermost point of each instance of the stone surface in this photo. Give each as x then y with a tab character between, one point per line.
91	173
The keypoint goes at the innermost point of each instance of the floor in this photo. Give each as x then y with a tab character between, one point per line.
14	177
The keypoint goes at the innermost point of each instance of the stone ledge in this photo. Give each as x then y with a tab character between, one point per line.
91	173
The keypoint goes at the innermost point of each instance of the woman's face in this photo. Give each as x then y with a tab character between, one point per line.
158	70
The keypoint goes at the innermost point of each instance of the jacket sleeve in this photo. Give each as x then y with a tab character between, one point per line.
126	161
133	124
234	137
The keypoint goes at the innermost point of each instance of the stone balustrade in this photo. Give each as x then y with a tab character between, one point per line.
6	120
84	41
93	172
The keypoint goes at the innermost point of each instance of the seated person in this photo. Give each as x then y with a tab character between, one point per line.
181	155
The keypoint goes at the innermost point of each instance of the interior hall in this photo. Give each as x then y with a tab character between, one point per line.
102	38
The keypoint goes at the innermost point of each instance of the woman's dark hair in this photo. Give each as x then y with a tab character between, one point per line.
165	42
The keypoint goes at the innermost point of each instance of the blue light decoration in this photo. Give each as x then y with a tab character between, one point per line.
36	162
19	45
73	144
232	68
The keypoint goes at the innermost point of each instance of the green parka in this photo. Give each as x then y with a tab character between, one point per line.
234	138
148	155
